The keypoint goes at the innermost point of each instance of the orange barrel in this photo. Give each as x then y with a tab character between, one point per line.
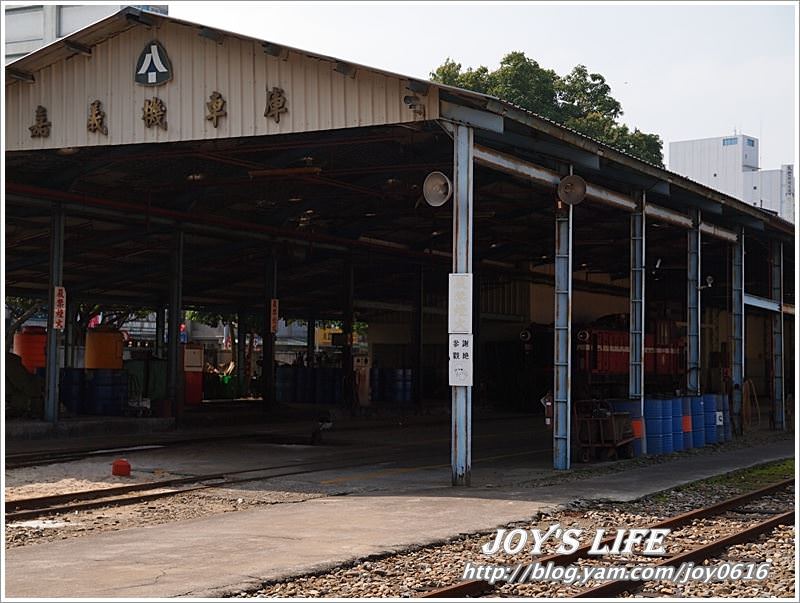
103	349
30	345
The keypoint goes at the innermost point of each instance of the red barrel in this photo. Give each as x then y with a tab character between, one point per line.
30	345
193	389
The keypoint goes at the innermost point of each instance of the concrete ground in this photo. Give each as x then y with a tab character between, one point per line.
393	494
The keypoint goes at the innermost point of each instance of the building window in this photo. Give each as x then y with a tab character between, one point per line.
726	142
751	142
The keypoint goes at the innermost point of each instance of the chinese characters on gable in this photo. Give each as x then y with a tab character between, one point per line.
97	117
216	108
154	113
153	68
276	104
40	127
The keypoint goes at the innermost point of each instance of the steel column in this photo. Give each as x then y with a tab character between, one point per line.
562	360
693	306
159	344
69	334
311	340
268	337
636	322
418	317
241	337
776	265
461	416
173	324
56	280
348	369
737	314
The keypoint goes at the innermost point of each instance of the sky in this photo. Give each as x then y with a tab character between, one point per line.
682	71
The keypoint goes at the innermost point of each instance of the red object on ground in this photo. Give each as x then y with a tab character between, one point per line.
121	467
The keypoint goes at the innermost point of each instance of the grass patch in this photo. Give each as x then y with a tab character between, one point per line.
749	479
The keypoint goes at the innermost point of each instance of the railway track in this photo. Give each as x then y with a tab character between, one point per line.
478	588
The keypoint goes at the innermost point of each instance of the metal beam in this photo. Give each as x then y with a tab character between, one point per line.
737	313
562	361
510	164
471	117
173	334
56	280
776	269
763	303
693	305
637	316
461	417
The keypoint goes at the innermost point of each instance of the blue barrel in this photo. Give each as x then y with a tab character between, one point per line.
666	425
686	407
698	422
710	418
106	392
721	403
71	389
677	424
653	421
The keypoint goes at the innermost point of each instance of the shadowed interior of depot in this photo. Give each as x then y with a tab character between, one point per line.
321	210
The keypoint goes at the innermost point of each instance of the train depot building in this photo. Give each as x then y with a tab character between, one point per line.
160	164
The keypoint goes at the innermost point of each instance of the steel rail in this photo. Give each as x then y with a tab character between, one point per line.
468	588
701	553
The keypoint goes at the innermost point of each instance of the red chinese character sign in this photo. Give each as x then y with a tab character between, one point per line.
273	316
59	308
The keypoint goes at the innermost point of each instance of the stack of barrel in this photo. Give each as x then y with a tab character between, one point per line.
390	385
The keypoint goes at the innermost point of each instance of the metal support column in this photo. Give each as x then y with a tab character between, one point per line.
159	344
69	334
56	280
461	418
418	318
268	338
737	313
636	322
693	306
311	340
348	369
241	337
562	361
173	324
776	265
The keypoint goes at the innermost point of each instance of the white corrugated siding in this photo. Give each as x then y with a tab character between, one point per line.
318	98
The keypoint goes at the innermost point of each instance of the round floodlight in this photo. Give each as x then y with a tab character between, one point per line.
572	189
437	189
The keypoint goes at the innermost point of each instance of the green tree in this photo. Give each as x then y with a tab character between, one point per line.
580	100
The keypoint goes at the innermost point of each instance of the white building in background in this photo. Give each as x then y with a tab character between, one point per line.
730	165
29	27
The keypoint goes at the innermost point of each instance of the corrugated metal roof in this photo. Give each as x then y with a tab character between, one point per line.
130	17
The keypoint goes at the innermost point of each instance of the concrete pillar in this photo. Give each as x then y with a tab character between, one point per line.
53	336
693	261
268	338
776	268
637	316
737	314
562	361
174	372
461	416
